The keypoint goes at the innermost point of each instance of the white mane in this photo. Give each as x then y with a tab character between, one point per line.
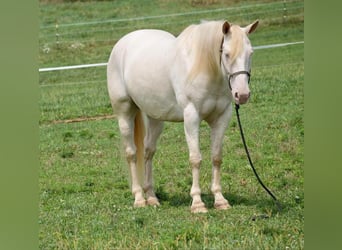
203	43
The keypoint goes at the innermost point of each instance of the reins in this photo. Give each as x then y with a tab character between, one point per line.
237	106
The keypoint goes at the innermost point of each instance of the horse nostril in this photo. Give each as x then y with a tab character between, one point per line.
241	98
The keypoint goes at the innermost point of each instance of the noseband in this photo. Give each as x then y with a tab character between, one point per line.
235	74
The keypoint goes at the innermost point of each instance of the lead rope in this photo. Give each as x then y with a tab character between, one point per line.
237	106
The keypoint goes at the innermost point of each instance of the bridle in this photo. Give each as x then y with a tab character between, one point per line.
231	75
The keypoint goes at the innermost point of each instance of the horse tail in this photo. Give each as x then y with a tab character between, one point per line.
139	135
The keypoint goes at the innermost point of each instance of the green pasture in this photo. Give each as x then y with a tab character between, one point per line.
85	199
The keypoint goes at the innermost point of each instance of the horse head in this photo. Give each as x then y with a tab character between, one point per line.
236	53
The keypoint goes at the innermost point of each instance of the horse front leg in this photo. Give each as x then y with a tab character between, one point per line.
218	128
191	127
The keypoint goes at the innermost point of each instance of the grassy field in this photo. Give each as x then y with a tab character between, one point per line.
85	200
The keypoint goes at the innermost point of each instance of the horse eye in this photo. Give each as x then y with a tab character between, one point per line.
227	56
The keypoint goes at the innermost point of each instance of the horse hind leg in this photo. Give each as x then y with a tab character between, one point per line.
154	130
131	128
130	124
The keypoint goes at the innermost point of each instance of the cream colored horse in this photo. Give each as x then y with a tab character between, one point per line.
155	77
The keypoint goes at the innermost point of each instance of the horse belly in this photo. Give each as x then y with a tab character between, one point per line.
161	105
155	97
147	76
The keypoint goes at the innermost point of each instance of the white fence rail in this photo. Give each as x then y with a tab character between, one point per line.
105	64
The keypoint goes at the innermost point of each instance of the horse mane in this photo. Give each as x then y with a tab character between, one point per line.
203	43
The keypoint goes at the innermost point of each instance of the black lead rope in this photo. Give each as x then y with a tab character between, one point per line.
237	106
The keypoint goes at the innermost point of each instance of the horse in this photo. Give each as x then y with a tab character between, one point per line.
153	77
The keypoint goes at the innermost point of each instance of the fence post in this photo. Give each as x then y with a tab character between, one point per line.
57	36
284	11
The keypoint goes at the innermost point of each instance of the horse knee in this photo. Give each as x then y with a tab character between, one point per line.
195	161
131	155
149	153
217	161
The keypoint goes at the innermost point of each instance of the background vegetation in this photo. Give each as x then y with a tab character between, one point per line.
85	201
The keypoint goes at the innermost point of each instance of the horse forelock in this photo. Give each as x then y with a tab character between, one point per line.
236	42
202	43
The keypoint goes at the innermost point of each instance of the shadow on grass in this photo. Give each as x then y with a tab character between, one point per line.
263	203
184	199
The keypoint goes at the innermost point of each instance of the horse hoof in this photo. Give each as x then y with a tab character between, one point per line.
152	201
140	203
222	205
198	208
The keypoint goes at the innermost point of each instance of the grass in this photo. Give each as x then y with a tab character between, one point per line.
85	201
69	45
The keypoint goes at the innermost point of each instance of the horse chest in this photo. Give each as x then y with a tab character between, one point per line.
208	98
213	105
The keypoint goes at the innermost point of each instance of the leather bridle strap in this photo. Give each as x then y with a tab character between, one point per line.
238	73
230	75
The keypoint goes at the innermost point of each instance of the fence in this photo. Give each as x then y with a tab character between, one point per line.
105	64
59	33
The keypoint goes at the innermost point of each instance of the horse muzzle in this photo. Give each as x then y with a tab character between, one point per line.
240	94
241	98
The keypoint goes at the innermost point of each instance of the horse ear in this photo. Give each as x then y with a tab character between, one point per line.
251	28
225	27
